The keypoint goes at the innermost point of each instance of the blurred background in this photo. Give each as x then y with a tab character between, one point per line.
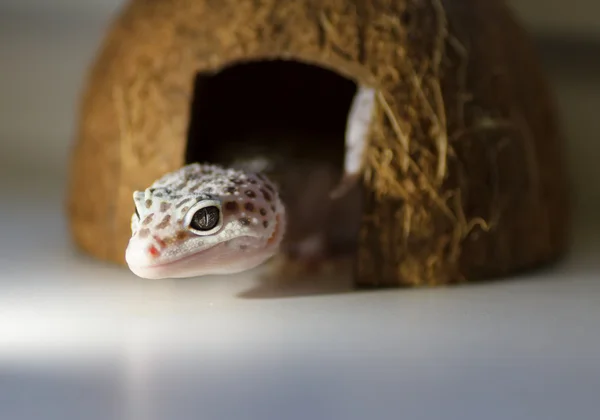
83	340
47	46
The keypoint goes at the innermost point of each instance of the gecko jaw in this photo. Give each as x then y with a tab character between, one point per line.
173	268
217	259
213	260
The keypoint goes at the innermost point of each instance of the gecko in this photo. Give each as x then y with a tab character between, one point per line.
204	219
207	219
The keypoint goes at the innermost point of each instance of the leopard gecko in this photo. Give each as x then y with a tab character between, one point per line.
205	219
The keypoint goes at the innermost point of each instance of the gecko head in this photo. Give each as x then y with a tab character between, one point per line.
204	219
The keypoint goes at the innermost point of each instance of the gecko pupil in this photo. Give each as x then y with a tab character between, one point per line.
205	219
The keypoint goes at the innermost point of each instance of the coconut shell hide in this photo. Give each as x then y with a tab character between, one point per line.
464	174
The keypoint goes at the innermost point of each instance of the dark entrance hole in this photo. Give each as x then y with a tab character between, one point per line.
294	115
279	108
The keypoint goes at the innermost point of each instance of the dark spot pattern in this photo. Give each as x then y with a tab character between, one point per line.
144	233
231	190
148	219
266	224
250	193
249	207
164	206
265	194
231	206
148	204
263	212
164	222
244	221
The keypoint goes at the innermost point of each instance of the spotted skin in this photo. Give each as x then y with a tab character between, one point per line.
164	242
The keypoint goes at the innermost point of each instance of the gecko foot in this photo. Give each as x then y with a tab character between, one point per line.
309	256
306	258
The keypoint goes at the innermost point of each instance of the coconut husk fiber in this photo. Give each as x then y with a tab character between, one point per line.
464	175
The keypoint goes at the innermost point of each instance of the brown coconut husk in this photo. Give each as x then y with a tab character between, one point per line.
464	174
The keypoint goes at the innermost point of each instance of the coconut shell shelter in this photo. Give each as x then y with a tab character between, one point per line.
463	176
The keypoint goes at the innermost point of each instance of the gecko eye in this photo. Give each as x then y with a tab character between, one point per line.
205	217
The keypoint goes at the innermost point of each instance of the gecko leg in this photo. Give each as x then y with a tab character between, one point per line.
310	250
308	256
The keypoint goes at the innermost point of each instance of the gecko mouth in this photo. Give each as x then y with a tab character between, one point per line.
182	259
